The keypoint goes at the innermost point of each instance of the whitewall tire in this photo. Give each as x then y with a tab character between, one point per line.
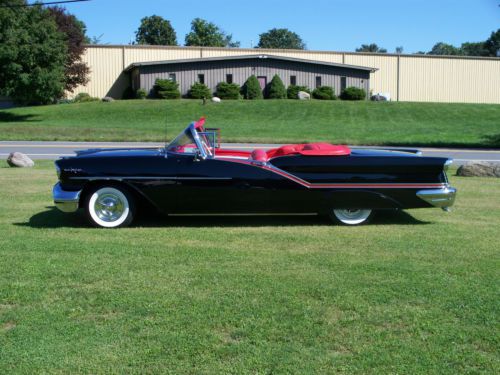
352	216
109	207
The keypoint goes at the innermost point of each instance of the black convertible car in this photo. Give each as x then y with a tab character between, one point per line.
194	175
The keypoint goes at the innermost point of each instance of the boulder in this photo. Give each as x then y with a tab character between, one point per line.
378	98
302	95
479	169
18	159
108	99
216	99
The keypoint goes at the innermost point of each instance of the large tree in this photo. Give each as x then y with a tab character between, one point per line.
156	31
371	48
473	49
208	34
492	44
281	38
76	71
444	49
33	54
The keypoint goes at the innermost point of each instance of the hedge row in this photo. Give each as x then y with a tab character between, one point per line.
251	90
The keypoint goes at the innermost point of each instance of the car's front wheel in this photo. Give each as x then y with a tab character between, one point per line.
352	216
110	207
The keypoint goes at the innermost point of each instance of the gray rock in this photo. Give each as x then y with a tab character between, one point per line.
18	159
378	98
108	99
216	99
302	95
479	169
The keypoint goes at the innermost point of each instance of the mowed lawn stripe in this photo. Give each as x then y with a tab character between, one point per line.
272	121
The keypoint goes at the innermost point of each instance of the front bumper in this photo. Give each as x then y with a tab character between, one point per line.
442	198
66	201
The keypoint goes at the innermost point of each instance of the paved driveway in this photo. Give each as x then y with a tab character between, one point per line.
53	150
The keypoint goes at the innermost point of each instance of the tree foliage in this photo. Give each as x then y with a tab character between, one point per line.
33	55
199	91
276	88
75	70
324	93
473	49
251	89
374	48
292	92
353	93
208	34
156	31
281	38
492	44
166	89
226	90
444	49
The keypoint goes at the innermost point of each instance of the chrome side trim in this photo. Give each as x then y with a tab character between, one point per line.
442	198
91	178
66	201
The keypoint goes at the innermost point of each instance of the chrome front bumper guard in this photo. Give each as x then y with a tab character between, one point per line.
442	198
66	201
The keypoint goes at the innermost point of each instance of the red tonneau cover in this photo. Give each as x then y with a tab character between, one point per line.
310	149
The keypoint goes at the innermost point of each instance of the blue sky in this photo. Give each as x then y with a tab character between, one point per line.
340	25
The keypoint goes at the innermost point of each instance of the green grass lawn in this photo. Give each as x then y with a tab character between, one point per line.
412	293
417	124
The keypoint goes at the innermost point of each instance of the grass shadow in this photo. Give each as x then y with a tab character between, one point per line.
6	116
492	140
53	218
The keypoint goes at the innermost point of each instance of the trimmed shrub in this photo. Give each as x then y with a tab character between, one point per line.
83	97
226	90
293	90
166	89
276	88
199	91
353	93
251	89
324	93
141	94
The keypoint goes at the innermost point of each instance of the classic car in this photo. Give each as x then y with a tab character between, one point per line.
193	174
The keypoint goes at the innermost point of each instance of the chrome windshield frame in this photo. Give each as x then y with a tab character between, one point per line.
194	134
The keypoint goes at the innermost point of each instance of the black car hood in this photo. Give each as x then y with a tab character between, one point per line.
118	152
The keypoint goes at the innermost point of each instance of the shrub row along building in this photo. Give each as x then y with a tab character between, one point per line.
237	69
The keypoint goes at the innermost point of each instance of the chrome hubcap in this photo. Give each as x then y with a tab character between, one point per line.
109	207
352	216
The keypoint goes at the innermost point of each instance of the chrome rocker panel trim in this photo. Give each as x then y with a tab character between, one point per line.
442	198
66	201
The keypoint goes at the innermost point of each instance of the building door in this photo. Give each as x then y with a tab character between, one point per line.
343	83
262	82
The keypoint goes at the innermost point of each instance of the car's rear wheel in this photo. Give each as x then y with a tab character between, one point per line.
110	207
351	216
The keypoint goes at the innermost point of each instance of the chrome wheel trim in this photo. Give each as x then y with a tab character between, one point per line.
108	207
352	216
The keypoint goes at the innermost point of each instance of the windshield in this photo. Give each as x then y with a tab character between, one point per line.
183	143
193	140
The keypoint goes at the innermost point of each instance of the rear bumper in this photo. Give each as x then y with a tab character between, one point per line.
66	201
442	198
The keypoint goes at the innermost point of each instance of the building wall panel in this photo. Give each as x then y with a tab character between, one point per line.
419	78
215	72
449	80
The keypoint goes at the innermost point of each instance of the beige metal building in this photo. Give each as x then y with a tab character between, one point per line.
418	78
